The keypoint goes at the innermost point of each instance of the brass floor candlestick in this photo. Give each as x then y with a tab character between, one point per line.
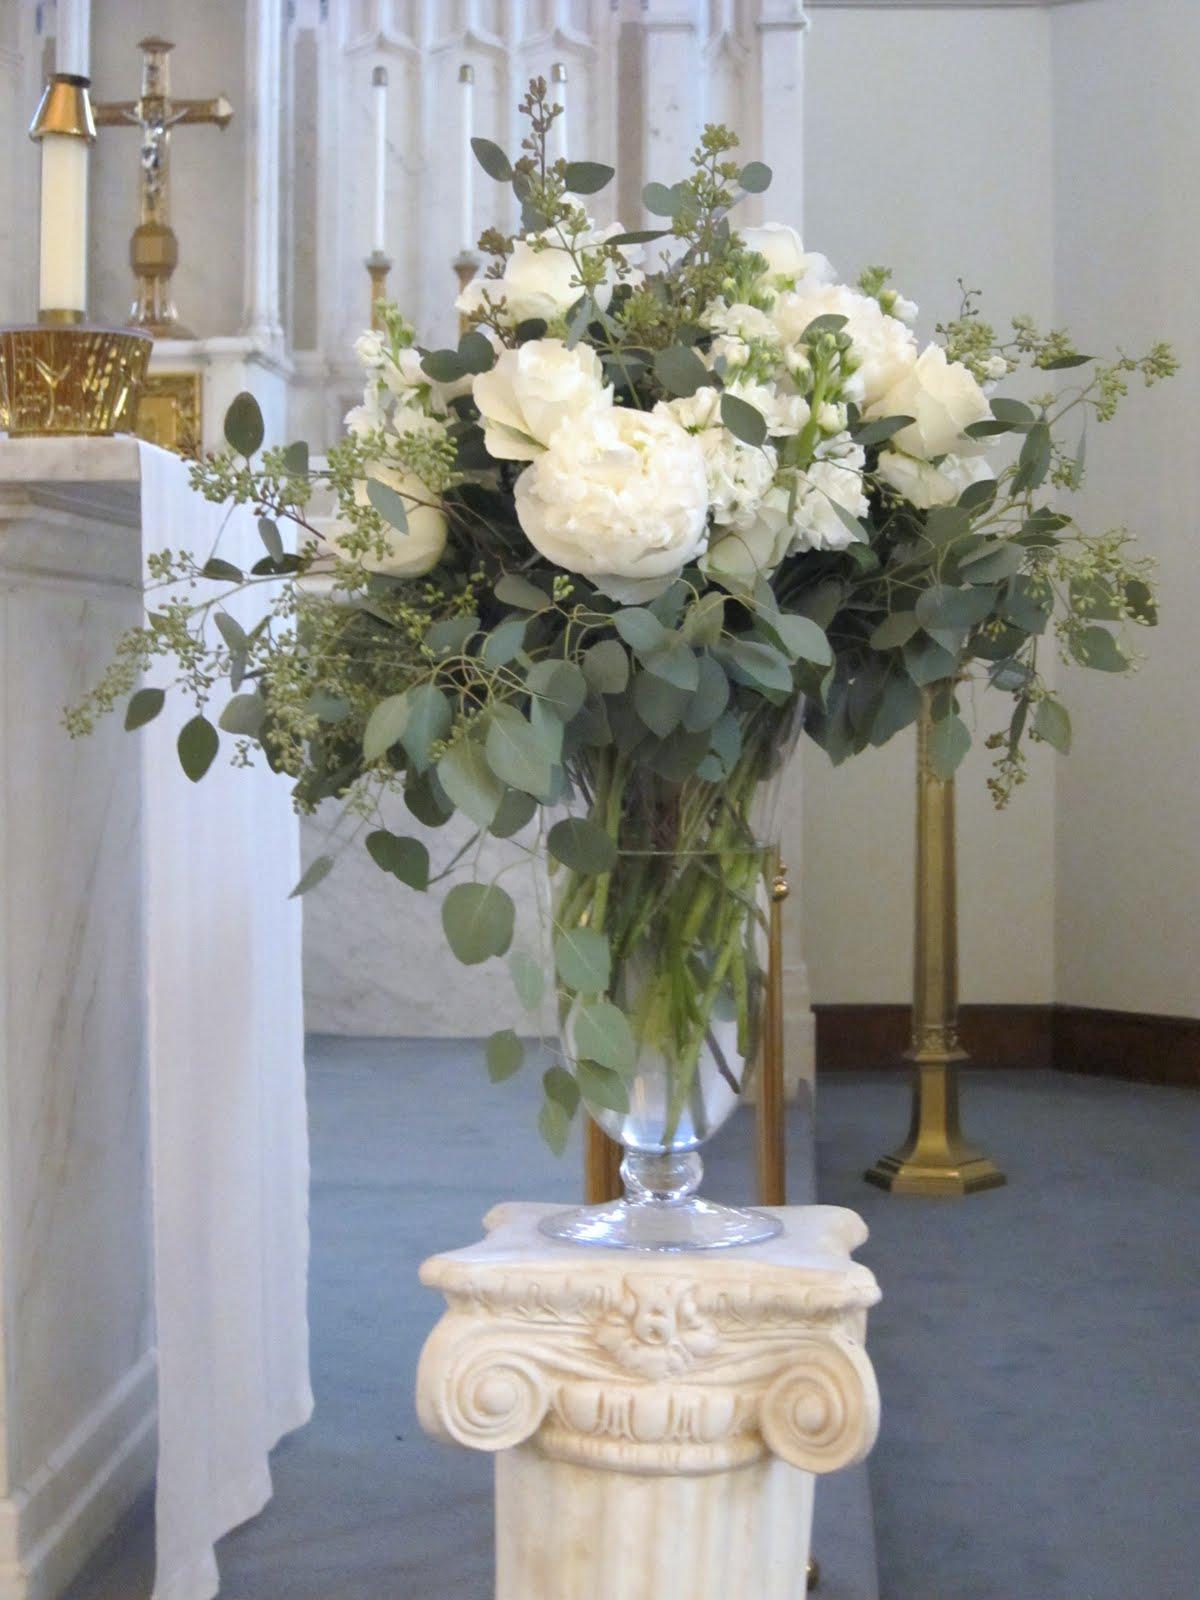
154	249
378	267
935	1158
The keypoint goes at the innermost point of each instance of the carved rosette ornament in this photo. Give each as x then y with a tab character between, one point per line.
593	1369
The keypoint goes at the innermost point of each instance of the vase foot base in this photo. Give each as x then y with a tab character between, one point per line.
691	1224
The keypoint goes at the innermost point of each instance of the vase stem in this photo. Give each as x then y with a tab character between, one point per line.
666	1178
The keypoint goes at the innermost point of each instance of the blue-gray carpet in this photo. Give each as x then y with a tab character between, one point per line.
1036	1346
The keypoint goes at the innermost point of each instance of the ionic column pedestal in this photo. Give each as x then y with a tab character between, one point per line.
658	1419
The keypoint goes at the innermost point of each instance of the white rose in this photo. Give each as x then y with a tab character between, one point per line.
540	279
943	398
923	485
738	474
884	349
619	492
754	550
785	255
533	390
411	554
835	479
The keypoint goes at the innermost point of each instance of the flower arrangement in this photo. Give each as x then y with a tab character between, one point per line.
673	493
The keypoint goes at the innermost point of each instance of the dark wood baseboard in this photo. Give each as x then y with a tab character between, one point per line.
1116	1044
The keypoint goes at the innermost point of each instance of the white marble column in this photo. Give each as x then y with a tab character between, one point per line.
77	1392
657	1420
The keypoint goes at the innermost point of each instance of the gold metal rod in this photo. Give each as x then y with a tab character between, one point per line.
935	1158
601	1165
770	1112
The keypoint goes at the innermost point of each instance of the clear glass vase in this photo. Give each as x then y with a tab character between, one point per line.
684	908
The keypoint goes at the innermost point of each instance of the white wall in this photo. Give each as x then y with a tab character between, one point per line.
1128	237
927	147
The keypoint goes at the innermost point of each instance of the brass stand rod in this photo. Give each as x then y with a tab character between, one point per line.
770	1128
601	1165
935	1158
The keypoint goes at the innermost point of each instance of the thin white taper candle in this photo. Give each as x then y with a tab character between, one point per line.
466	78
558	97
379	87
63	267
72	48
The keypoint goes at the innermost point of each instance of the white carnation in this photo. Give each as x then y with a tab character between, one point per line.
738	474
834	479
620	492
540	278
943	398
532	391
923	485
884	349
411	554
785	255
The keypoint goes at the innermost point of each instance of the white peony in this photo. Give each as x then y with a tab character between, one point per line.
619	492
923	485
884	349
835	479
785	255
411	554
533	390
738	474
754	549
943	398
540	279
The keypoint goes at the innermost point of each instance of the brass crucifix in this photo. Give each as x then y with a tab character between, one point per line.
154	249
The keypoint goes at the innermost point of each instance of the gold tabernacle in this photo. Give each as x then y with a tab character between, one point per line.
935	1159
154	249
58	379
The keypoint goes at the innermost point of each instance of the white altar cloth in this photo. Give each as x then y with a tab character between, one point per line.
228	1122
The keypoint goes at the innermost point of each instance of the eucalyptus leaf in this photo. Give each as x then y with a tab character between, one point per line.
606	667
561	1089
680	370
880	430
1052	724
895	630
1034	461
949	741
758	663
244	428
661	201
505	642
514	590
214	567
444	366
1097	648
504	1054
388	503
898	707
268	532
197	747
675	663
601	1032
641	630
601	1086
385	726
583	960
144	705
428	722
492	159
478	920
405	858
658	703
582	845
317	871
529	979
466	774
994	560
710	697
803	639
926	661
244	715
475	351
517	753
514	812
554	1125
587	177
755	177
744	421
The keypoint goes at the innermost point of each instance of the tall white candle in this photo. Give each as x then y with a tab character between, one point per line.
466	77
558	97
379	86
63	275
72	48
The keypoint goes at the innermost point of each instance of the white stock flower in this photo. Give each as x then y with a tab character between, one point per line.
884	348
787	260
619	492
411	554
834	479
738	474
943	398
785	413
533	390
923	485
540	278
754	549
737	320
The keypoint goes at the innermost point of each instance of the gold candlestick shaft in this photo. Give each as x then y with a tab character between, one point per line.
770	1127
378	267
935	1158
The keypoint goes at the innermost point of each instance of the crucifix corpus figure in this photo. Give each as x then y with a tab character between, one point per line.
154	249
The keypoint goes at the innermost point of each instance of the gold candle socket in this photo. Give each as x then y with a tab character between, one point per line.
935	1159
378	267
70	378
